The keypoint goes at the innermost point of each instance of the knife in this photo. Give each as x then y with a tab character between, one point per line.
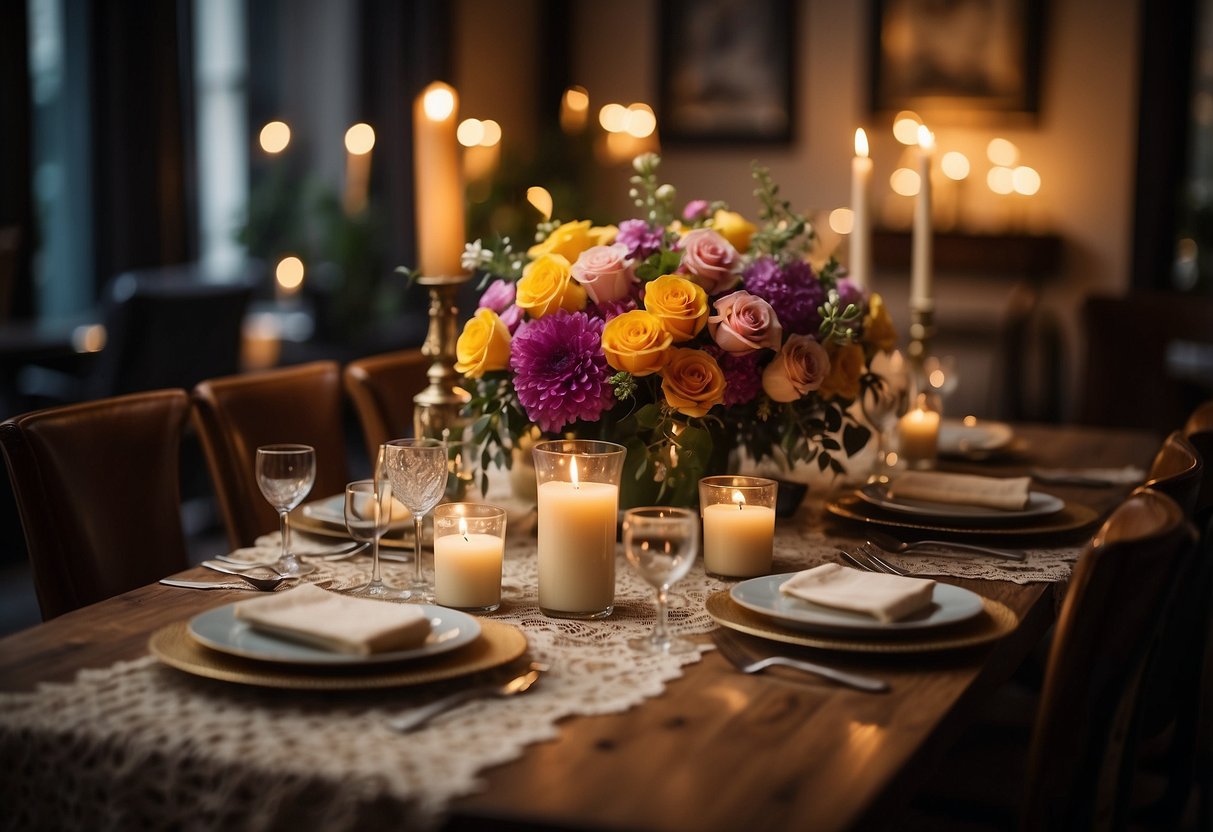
203	584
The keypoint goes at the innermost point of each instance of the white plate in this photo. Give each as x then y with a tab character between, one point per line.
1039	505
219	629
331	510
955	437
950	604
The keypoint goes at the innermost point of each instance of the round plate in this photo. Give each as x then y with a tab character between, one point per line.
498	644
220	629
396	538
331	510
950	604
1040	504
995	621
957	438
1073	518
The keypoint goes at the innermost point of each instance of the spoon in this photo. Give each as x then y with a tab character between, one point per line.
259	582
416	718
895	546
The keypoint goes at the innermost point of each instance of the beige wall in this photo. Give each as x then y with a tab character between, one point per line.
1083	143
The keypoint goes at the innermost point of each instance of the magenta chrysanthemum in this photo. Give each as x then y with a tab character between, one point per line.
793	291
742	375
641	240
560	372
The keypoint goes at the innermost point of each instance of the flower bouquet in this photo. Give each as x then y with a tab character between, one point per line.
683	338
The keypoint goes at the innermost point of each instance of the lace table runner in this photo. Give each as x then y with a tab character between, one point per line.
139	744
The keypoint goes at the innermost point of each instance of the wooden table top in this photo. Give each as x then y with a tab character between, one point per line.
720	749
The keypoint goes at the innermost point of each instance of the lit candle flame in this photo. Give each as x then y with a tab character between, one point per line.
573	474
463	527
739	498
861	143
926	139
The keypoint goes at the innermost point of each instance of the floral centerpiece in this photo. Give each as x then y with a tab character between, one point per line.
681	337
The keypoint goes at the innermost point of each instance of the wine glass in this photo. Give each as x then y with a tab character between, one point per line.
417	469
942	375
285	474
661	544
885	398
368	509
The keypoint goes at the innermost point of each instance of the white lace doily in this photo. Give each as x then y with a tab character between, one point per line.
139	744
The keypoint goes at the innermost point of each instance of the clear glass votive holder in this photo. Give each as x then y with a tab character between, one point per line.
463	475
738	525
469	550
918	433
578	501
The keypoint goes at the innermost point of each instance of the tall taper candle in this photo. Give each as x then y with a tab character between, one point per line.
920	274
861	229
438	182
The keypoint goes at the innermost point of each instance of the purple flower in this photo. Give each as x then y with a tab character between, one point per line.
642	241
793	291
696	210
498	296
615	308
560	372
512	317
848	292
742	375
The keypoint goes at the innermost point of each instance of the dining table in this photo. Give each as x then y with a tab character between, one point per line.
111	719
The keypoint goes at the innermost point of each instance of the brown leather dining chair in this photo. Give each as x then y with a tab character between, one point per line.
97	488
1199	431
1177	471
382	388
234	415
1083	752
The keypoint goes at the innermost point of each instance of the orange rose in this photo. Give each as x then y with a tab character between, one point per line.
547	285
636	342
692	382
680	305
846	367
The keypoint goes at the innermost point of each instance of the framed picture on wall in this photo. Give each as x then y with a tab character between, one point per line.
963	58
726	71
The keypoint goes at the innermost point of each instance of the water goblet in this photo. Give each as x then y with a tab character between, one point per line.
368	510
661	543
884	399
285	474
942	376
418	470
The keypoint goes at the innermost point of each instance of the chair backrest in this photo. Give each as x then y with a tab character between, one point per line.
1199	431
169	327
382	388
1083	742
97	488
237	414
1177	471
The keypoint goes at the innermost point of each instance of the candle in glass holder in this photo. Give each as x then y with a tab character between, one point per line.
578	504
919	434
469	549
738	525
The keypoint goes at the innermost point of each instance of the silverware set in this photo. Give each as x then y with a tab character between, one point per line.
731	647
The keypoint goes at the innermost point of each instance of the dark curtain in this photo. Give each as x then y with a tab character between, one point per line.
17	232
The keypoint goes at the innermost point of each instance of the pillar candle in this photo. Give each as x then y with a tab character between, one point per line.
919	433
920	274
861	229
467	570
738	539
437	182
577	545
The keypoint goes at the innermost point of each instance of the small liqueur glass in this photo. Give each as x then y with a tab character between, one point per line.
285	474
661	543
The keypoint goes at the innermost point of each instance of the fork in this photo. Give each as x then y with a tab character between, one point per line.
737	656
419	716
862	557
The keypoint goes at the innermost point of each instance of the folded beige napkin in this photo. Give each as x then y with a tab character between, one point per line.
884	597
343	623
1009	493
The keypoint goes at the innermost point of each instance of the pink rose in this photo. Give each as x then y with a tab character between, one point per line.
605	272
800	367
743	323
710	260
498	296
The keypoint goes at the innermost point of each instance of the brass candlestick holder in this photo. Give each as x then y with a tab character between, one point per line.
922	330
438	406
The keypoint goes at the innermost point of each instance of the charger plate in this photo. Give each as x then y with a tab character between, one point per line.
995	621
1074	517
498	644
396	537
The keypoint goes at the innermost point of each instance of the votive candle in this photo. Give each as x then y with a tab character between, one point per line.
738	525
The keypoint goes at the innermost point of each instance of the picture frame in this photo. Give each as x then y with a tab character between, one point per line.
727	71
971	60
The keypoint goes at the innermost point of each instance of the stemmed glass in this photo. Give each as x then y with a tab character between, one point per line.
942	376
661	544
285	474
417	469
884	399
368	509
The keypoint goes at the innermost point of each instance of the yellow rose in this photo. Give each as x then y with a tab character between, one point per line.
692	381
636	342
735	228
572	238
878	325
483	346
680	305
547	285
846	367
